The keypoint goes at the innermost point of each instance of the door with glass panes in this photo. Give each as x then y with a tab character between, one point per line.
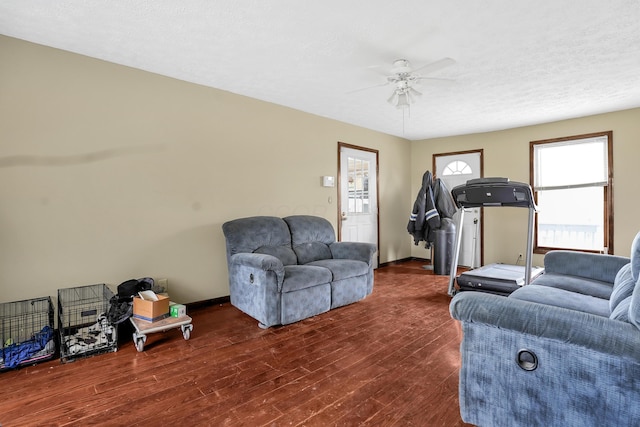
358	216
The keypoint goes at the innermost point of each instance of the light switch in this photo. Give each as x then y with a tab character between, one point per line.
328	181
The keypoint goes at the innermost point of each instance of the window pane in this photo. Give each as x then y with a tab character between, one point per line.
578	162
571	219
358	186
457	167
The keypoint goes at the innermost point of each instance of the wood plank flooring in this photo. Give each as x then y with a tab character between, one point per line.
389	360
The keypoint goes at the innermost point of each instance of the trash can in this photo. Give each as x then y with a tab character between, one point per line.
443	247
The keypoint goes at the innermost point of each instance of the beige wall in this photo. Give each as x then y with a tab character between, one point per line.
109	173
506	154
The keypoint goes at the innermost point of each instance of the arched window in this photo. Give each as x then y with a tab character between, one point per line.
457	167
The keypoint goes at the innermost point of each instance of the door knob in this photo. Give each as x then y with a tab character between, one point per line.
344	216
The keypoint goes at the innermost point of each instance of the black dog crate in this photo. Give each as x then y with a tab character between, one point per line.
26	332
82	322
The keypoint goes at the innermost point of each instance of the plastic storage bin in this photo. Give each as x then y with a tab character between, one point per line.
82	322
26	332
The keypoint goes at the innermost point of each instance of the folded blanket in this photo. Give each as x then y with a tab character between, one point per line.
15	354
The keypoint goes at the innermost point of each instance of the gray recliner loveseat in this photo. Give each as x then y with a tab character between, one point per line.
283	270
562	351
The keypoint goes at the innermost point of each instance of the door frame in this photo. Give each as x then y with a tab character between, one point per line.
377	183
455	153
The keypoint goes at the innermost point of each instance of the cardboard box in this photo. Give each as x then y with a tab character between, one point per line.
151	310
177	310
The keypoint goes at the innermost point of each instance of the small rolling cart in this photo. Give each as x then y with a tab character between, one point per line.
144	327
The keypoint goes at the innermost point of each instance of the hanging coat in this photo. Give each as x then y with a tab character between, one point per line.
433	202
445	204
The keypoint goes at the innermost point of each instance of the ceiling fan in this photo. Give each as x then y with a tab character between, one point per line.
404	79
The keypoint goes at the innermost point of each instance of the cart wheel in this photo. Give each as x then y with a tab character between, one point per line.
139	341
186	331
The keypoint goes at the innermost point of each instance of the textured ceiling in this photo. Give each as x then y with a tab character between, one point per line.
517	63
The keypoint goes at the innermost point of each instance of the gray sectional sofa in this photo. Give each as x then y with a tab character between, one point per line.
562	351
283	270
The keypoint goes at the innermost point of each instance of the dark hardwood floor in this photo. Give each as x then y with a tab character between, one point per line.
389	360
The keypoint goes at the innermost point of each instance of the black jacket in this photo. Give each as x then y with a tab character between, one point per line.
434	201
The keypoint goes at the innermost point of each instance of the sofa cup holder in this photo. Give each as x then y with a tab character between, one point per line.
527	360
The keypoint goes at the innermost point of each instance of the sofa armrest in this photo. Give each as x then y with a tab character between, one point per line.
598	333
584	264
353	250
259	262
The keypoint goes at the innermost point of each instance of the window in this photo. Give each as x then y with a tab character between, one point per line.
358	184
457	167
571	179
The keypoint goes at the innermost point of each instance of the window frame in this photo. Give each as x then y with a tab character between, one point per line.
607	191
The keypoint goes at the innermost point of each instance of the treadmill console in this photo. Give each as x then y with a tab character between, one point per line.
493	192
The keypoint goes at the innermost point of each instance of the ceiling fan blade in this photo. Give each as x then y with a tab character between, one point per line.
435	66
435	78
382	70
367	88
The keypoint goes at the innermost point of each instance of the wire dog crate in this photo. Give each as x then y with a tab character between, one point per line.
26	331
82	322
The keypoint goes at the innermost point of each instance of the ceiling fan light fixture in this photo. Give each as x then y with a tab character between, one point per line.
393	99
401	99
404	100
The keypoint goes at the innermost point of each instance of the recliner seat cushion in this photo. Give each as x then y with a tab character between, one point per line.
562	298
342	268
297	277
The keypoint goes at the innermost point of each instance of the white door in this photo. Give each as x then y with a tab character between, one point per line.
358	196
454	170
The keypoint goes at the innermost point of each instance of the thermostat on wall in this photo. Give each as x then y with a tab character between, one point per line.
328	181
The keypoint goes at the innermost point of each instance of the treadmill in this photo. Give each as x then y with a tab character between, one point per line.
496	278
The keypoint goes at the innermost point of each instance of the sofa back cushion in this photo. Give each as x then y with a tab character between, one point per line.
622	287
621	312
310	237
634	306
259	234
635	258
